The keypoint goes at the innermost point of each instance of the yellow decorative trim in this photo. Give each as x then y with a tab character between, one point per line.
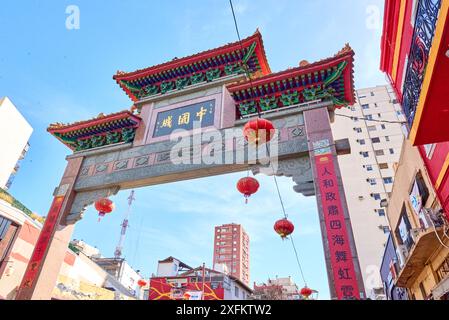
397	48
442	172
433	55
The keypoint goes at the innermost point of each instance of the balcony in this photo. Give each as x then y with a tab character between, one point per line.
425	95
425	244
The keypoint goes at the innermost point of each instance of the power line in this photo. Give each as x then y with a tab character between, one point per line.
259	115
367	119
244	65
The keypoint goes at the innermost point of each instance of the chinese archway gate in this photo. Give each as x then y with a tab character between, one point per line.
219	89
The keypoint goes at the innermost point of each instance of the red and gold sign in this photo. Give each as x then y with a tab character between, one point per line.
346	285
160	289
41	247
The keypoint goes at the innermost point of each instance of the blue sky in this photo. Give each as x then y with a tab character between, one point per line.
55	74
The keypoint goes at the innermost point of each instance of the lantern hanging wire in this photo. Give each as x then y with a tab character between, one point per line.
245	67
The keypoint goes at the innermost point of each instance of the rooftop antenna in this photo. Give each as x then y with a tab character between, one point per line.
119	248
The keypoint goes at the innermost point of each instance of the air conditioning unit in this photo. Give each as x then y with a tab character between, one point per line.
402	253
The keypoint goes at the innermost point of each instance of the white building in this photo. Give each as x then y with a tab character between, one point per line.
15	132
373	127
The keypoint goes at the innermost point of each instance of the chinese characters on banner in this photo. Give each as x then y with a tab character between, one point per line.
341	258
202	113
42	243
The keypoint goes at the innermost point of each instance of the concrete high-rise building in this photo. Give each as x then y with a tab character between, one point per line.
15	132
231	251
373	127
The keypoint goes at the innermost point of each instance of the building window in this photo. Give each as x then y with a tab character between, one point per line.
372	181
362	141
387	138
422	187
362	96
385	229
365	154
375	140
383	165
388	180
369	167
7	234
381	212
365	106
423	290
443	269
376	196
358	130
369	117
371	128
372	94
403	229
383	126
391	151
379	152
399	113
429	148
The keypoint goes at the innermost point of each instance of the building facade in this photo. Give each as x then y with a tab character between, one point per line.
389	271
19	230
231	251
277	289
415	58
418	230
13	146
177	281
373	127
79	276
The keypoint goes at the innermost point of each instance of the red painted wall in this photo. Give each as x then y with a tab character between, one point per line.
407	34
391	22
434	166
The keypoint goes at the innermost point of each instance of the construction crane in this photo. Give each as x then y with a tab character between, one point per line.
119	248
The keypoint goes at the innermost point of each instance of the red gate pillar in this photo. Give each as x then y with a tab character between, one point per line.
48	255
344	275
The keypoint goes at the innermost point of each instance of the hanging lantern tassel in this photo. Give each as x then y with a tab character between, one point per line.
247	186
104	206
258	131
284	228
306	292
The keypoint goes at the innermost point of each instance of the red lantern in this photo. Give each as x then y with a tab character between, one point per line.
306	292
104	206
284	228
141	283
247	186
258	131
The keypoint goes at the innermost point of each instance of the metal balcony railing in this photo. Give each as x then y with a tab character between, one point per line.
424	31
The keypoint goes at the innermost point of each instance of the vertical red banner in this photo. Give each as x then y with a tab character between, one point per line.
42	244
337	234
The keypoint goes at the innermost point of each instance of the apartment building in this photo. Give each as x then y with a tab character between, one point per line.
231	251
375	132
15	132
